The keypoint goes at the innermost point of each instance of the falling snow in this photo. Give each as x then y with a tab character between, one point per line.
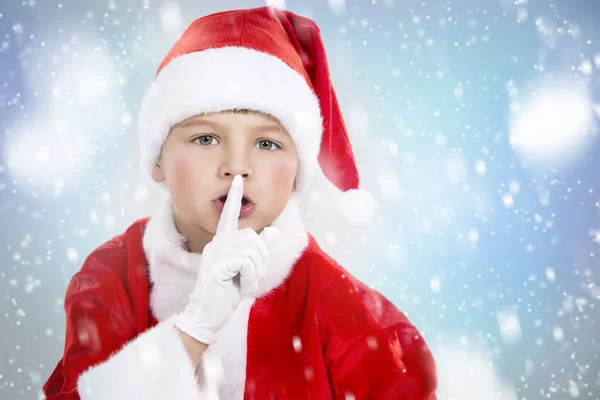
474	124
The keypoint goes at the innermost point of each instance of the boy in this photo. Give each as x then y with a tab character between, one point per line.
223	294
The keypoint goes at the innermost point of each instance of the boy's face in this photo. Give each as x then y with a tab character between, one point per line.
201	156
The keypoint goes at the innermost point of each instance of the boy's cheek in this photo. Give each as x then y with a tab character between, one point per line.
187	168
283	173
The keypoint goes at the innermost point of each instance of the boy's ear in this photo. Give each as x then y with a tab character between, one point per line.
157	172
294	186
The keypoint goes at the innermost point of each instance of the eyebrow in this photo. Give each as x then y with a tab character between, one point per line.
199	122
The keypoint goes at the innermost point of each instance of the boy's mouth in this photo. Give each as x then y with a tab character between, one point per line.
245	201
247	207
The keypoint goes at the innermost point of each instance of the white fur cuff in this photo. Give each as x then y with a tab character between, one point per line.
155	365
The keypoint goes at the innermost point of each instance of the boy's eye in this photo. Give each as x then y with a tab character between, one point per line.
267	145
205	140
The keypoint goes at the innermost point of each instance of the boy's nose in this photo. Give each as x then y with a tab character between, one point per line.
231	169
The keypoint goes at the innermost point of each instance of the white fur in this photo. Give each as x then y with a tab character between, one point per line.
357	207
229	78
172	269
155	365
223	366
173	272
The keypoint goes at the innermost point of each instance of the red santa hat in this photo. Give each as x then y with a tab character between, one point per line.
263	59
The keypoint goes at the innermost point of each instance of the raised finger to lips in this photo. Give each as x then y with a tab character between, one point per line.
228	222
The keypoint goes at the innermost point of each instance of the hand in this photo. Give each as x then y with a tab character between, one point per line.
231	252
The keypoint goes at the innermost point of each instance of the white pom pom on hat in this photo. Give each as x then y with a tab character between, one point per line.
357	207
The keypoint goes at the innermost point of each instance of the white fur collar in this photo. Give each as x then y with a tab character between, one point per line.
173	270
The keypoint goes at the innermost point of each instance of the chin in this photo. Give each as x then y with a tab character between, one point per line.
247	223
252	222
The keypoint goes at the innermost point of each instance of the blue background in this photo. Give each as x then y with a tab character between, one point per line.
498	269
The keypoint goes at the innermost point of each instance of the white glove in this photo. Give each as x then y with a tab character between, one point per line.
231	252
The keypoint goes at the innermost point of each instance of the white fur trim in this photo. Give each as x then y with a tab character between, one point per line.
155	365
357	207
223	366
173	272
227	78
173	269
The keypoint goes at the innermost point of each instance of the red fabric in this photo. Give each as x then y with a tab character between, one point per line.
335	156
353	340
257	28
106	305
296	41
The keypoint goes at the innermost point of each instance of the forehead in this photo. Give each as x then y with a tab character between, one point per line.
235	118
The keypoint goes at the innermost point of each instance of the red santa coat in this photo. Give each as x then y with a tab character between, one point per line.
313	332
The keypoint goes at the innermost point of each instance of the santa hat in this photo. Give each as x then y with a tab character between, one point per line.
263	59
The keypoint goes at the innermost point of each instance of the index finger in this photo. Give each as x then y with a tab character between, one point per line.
228	222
